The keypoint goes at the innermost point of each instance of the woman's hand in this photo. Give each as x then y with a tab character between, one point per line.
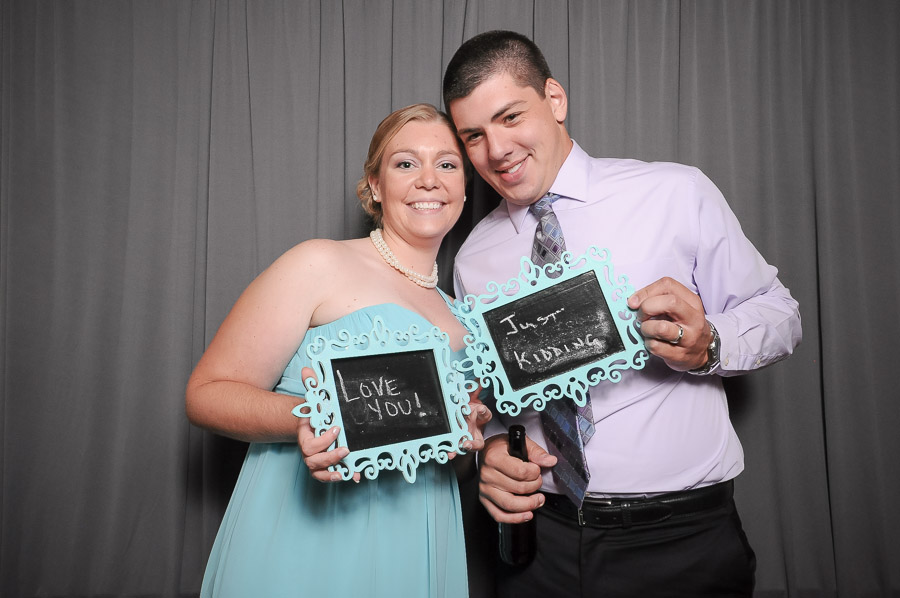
479	416
315	448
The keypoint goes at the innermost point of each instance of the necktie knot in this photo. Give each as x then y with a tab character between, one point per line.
549	243
543	205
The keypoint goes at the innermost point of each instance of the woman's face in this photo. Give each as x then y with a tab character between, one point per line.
421	184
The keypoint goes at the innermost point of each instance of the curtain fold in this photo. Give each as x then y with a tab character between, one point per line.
155	157
856	151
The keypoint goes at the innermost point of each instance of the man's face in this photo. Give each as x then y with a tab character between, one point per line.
514	138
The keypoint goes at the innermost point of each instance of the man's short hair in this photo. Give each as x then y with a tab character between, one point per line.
492	53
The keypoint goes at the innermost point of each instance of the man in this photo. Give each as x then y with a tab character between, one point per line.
658	516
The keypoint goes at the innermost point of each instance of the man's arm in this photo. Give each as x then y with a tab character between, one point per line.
757	320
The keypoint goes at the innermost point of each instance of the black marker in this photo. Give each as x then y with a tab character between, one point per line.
517	540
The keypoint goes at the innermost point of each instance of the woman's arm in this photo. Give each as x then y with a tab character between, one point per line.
229	390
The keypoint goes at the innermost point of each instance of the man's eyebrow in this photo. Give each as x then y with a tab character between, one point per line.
504	109
496	116
463	132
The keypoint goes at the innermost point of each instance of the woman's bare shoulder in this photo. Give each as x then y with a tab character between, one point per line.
312	249
327	263
316	256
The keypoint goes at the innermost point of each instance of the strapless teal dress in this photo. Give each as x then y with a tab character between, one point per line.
286	534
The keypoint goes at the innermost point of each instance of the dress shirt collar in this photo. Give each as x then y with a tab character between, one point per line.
571	182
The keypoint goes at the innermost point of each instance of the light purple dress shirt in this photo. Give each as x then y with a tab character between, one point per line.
657	430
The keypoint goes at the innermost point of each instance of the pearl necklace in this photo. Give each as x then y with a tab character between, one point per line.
428	282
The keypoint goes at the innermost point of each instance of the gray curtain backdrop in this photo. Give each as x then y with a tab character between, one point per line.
156	156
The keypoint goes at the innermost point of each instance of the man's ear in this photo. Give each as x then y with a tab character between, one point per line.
556	95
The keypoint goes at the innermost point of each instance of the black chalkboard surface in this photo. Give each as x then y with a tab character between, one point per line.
389	398
553	331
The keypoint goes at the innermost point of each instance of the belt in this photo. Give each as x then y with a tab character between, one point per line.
626	512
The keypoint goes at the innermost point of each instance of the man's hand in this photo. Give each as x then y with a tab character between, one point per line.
668	312
508	487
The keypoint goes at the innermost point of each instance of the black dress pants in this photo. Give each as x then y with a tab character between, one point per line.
702	554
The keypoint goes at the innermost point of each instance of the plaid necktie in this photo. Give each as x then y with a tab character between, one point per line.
566	427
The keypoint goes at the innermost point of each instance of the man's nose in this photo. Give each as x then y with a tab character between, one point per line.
498	145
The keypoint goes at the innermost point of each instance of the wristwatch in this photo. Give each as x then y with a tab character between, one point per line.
712	354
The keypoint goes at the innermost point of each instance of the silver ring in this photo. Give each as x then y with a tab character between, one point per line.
680	335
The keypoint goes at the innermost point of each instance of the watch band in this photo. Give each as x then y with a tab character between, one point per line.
712	354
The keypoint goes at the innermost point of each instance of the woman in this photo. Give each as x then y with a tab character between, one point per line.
285	533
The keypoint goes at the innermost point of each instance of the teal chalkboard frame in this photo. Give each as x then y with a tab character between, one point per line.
483	358
324	411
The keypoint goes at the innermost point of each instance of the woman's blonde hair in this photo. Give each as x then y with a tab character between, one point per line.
386	130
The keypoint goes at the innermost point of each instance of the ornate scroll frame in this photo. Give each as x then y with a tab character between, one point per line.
323	410
482	357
